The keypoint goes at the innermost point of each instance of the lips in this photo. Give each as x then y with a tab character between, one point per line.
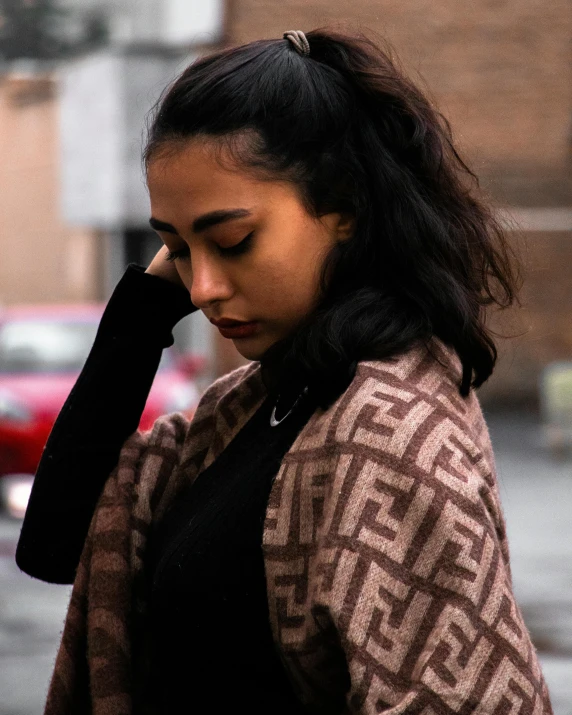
229	323
238	330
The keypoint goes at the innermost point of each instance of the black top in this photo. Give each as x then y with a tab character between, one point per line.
211	644
209	610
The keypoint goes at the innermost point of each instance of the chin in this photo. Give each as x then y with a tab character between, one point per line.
250	351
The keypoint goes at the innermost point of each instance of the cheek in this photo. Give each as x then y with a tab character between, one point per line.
287	285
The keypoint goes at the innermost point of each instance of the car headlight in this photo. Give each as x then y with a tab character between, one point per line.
15	492
182	398
12	409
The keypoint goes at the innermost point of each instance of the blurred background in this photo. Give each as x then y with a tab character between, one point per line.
77	78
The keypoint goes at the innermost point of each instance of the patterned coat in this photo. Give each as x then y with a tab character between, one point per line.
385	550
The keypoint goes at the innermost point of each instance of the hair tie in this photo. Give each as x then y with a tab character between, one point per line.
299	40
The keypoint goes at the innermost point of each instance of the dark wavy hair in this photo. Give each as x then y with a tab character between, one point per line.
354	134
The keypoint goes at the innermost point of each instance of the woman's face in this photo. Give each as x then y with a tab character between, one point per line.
247	248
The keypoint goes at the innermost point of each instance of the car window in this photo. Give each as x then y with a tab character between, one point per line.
36	346
45	345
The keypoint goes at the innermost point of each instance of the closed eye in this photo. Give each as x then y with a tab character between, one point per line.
181	253
235	250
238	248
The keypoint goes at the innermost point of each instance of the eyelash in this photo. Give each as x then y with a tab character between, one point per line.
235	250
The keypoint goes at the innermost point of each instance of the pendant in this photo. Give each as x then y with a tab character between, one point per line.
274	421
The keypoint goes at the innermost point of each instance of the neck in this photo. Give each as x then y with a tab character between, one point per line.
272	367
282	378
278	374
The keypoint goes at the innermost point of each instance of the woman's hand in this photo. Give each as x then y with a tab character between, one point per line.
159	266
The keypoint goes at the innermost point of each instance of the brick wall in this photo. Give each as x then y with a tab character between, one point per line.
499	69
540	330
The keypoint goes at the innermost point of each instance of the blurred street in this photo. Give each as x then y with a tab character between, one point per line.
536	491
537	494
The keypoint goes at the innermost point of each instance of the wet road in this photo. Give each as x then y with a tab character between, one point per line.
537	495
536	492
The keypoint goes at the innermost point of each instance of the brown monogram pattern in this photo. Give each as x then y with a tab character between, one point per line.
387	557
385	548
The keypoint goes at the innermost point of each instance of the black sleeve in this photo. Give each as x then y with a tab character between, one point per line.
102	410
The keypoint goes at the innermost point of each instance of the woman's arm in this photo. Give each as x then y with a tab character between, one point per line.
102	410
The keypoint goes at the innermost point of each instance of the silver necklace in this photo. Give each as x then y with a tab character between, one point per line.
274	421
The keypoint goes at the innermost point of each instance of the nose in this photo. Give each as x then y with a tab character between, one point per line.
209	283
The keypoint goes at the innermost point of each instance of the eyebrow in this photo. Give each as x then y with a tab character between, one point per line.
201	223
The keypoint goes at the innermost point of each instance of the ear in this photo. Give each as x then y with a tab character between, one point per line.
345	226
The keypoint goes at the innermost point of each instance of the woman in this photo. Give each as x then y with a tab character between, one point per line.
326	534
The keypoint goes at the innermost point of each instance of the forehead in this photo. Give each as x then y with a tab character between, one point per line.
201	174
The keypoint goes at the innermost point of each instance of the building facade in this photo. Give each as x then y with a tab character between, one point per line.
44	259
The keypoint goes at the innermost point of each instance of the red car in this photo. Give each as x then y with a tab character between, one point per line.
42	350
